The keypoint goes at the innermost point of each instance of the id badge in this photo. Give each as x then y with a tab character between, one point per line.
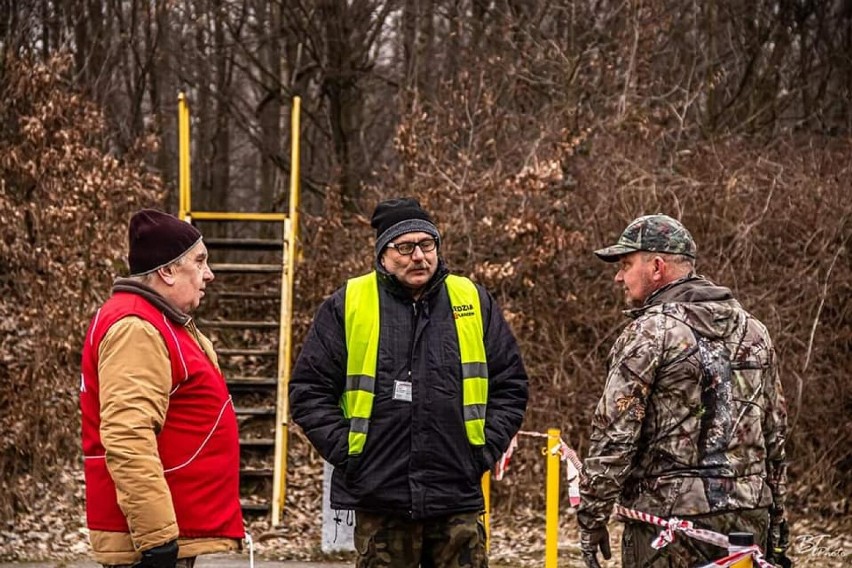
402	391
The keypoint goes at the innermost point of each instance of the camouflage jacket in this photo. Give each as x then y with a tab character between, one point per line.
692	419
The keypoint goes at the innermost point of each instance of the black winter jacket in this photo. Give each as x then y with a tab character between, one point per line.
417	461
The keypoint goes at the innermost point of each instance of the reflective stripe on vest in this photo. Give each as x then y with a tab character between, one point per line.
362	344
464	298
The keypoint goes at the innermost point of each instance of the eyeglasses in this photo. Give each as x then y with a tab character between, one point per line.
407	248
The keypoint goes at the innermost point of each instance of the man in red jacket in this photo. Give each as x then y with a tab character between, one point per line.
159	432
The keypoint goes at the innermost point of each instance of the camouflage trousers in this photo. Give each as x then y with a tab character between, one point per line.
387	541
685	552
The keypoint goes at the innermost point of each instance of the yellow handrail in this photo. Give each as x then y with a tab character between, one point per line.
184	204
285	354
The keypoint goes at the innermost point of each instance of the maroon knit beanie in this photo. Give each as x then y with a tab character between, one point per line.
157	239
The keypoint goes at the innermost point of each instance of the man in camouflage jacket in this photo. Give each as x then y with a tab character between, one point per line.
692	420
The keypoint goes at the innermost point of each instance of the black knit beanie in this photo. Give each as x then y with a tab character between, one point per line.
396	217
157	239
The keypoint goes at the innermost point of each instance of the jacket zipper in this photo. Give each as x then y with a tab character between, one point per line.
415	317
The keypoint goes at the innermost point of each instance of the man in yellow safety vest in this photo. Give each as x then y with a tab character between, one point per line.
410	383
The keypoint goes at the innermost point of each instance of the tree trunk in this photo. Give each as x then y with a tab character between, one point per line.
163	96
339	89
269	108
220	167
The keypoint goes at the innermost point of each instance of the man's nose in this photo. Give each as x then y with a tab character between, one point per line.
418	253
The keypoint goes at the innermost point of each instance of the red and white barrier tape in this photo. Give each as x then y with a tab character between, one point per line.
573	467
502	465
531	434
671	526
674	525
568	455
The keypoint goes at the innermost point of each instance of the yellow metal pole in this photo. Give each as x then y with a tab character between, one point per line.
486	516
184	206
551	540
285	353
737	541
295	172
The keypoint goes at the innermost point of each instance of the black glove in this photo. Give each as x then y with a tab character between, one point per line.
777	543
590	541
163	556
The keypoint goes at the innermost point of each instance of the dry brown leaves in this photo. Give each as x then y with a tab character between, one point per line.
53	527
64	207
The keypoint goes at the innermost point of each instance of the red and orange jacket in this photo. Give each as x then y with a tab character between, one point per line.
160	439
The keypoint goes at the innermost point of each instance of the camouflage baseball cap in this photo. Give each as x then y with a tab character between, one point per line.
652	233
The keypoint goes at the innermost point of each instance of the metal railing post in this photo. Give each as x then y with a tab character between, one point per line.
486	516
184	199
285	355
551	544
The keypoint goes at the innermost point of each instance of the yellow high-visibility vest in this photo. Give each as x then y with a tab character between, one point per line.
362	319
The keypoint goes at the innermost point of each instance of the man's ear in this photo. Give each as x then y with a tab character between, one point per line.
167	274
659	268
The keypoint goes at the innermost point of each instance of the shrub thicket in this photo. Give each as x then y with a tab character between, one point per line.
772	222
64	206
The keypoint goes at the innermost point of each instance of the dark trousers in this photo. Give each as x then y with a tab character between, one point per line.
686	552
387	541
181	563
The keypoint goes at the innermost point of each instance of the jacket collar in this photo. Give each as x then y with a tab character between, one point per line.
392	284
689	289
132	286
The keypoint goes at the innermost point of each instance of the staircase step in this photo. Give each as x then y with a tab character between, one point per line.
251	382
254	508
245	268
221	324
237	216
248	295
255	411
257	442
248	352
257	472
243	243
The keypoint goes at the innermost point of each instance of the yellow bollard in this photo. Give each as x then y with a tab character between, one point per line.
737	542
486	516
551	532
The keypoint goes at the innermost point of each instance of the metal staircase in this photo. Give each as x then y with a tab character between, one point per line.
248	315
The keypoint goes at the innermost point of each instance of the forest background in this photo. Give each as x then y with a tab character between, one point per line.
533	130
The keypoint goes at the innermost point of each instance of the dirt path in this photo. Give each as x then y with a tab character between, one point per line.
211	561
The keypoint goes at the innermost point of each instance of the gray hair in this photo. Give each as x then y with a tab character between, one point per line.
148	277
681	262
